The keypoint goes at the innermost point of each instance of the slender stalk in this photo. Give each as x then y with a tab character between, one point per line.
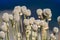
7	36
24	17
39	36
34	35
27	38
7	33
27	35
44	34
21	26
16	31
48	36
19	39
31	32
13	31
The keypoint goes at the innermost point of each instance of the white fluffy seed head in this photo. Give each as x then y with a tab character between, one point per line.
5	17
52	36
2	34
4	27
18	8
35	27
45	26
26	21
39	11
47	12
31	20
37	22
28	27
10	16
42	22
28	12
23	8
55	29
16	17
58	18
15	11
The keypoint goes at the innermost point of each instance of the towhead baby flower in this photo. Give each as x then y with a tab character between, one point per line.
35	27
5	17
42	22
53	37
39	12
28	12
37	22
31	20
17	8
16	17
47	12
15	11
55	29
2	34
23	8
4	27
45	25
26	21
10	16
58	19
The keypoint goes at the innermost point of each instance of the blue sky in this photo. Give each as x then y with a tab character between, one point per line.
54	5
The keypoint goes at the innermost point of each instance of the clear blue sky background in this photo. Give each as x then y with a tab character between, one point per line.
54	5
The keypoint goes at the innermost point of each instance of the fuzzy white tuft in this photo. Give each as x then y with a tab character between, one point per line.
39	11
10	16
58	19
55	29
52	36
26	21
37	22
35	27
4	27
16	17
47	12
31	20
5	17
2	34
